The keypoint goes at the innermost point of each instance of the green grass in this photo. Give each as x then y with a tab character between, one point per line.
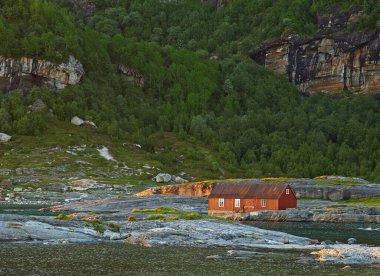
161	212
100	226
63	216
50	151
371	201
345	183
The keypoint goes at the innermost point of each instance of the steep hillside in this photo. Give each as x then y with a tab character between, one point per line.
181	70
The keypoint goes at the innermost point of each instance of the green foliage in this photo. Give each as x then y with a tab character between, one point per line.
199	84
372	201
160	212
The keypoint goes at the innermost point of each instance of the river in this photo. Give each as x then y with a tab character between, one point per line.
365	233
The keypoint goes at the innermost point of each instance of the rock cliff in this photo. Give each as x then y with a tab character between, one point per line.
24	73
333	60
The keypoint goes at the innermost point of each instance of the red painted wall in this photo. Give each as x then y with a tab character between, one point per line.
250	205
288	201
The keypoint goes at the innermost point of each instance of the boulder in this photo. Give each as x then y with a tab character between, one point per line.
179	180
17	190
77	121
5	137
351	241
162	178
285	239
90	123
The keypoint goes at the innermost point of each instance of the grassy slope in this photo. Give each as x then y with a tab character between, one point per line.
62	145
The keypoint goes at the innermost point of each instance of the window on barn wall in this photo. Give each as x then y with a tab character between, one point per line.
221	202
287	191
263	203
237	202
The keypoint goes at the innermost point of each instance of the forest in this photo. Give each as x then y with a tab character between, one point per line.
200	83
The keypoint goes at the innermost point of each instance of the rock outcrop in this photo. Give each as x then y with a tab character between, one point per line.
191	189
349	255
303	188
331	61
88	7
24	73
355	214
132	75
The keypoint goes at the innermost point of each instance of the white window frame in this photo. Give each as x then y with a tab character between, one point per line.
287	191
221	202
237	202
263	203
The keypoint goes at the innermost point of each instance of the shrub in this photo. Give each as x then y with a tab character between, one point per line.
132	218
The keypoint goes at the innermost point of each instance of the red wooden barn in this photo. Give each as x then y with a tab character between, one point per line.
227	198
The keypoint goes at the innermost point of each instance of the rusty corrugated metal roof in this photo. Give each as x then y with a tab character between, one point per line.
248	190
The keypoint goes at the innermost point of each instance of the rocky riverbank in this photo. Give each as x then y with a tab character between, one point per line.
150	225
333	214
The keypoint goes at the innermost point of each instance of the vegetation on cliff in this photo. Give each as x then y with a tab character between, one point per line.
200	84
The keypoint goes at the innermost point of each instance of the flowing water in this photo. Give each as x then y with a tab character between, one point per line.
368	233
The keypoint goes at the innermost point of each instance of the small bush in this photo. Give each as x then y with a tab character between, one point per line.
171	218
155	217
94	213
63	216
191	216
132	218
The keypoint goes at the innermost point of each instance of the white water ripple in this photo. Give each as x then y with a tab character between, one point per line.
369	229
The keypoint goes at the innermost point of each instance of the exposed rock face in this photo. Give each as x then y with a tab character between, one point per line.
24	73
303	188
349	255
311	189
191	189
320	214
132	75
88	7
331	61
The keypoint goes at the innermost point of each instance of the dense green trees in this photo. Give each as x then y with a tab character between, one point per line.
199	82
